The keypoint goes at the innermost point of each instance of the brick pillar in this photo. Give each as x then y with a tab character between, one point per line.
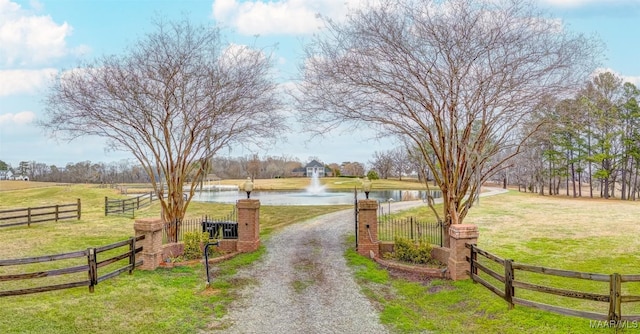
459	235
368	227
151	252
248	225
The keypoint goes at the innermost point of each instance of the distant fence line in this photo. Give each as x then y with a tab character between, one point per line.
28	216
91	268
507	291
128	205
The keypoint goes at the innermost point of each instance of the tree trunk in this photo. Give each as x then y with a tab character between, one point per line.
567	180
573	179
550	179
635	181
580	184
623	180
590	172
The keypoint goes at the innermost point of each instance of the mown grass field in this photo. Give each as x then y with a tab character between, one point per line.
598	236
595	236
166	300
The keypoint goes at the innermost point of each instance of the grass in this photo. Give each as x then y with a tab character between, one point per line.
166	300
597	236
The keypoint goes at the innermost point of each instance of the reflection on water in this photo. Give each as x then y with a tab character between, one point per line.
305	198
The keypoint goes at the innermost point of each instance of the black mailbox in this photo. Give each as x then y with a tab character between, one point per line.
220	229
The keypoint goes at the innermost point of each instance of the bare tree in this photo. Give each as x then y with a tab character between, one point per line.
352	169
383	163
455	78
254	166
173	100
401	163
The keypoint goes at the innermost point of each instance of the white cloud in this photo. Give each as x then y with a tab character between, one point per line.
20	118
27	39
279	17
581	3
625	78
24	81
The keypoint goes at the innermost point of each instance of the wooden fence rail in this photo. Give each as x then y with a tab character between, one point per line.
510	284
128	205
28	216
91	268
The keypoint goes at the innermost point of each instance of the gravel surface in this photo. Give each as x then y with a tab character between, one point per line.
304	284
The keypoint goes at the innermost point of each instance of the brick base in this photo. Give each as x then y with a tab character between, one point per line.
173	249
367	249
228	246
151	252
248	246
459	235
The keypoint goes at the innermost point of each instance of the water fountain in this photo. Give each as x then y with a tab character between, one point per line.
315	188
314	194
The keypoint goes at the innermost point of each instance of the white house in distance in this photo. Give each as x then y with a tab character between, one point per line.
6	174
310	168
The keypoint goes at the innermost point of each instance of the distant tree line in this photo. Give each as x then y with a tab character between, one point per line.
590	140
400	162
124	171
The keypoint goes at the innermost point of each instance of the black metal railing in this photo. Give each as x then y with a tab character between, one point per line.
410	228
225	227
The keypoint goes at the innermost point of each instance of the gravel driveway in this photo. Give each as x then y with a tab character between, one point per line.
304	284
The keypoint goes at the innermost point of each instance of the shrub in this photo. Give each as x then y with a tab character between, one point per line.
408	251
193	243
373	175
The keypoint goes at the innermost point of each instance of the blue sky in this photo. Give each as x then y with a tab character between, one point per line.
41	38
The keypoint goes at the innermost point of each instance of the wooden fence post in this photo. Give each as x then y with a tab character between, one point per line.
57	212
28	217
132	256
93	268
473	257
106	211
508	282
79	209
615	288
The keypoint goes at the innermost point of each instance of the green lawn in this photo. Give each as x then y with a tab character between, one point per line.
166	300
597	236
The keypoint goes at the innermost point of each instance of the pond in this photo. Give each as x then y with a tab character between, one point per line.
303	197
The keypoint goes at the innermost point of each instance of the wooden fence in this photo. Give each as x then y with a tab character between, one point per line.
40	214
91	267
128	205
508	291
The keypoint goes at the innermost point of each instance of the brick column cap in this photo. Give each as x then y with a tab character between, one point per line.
367	204
248	203
463	231
148	224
